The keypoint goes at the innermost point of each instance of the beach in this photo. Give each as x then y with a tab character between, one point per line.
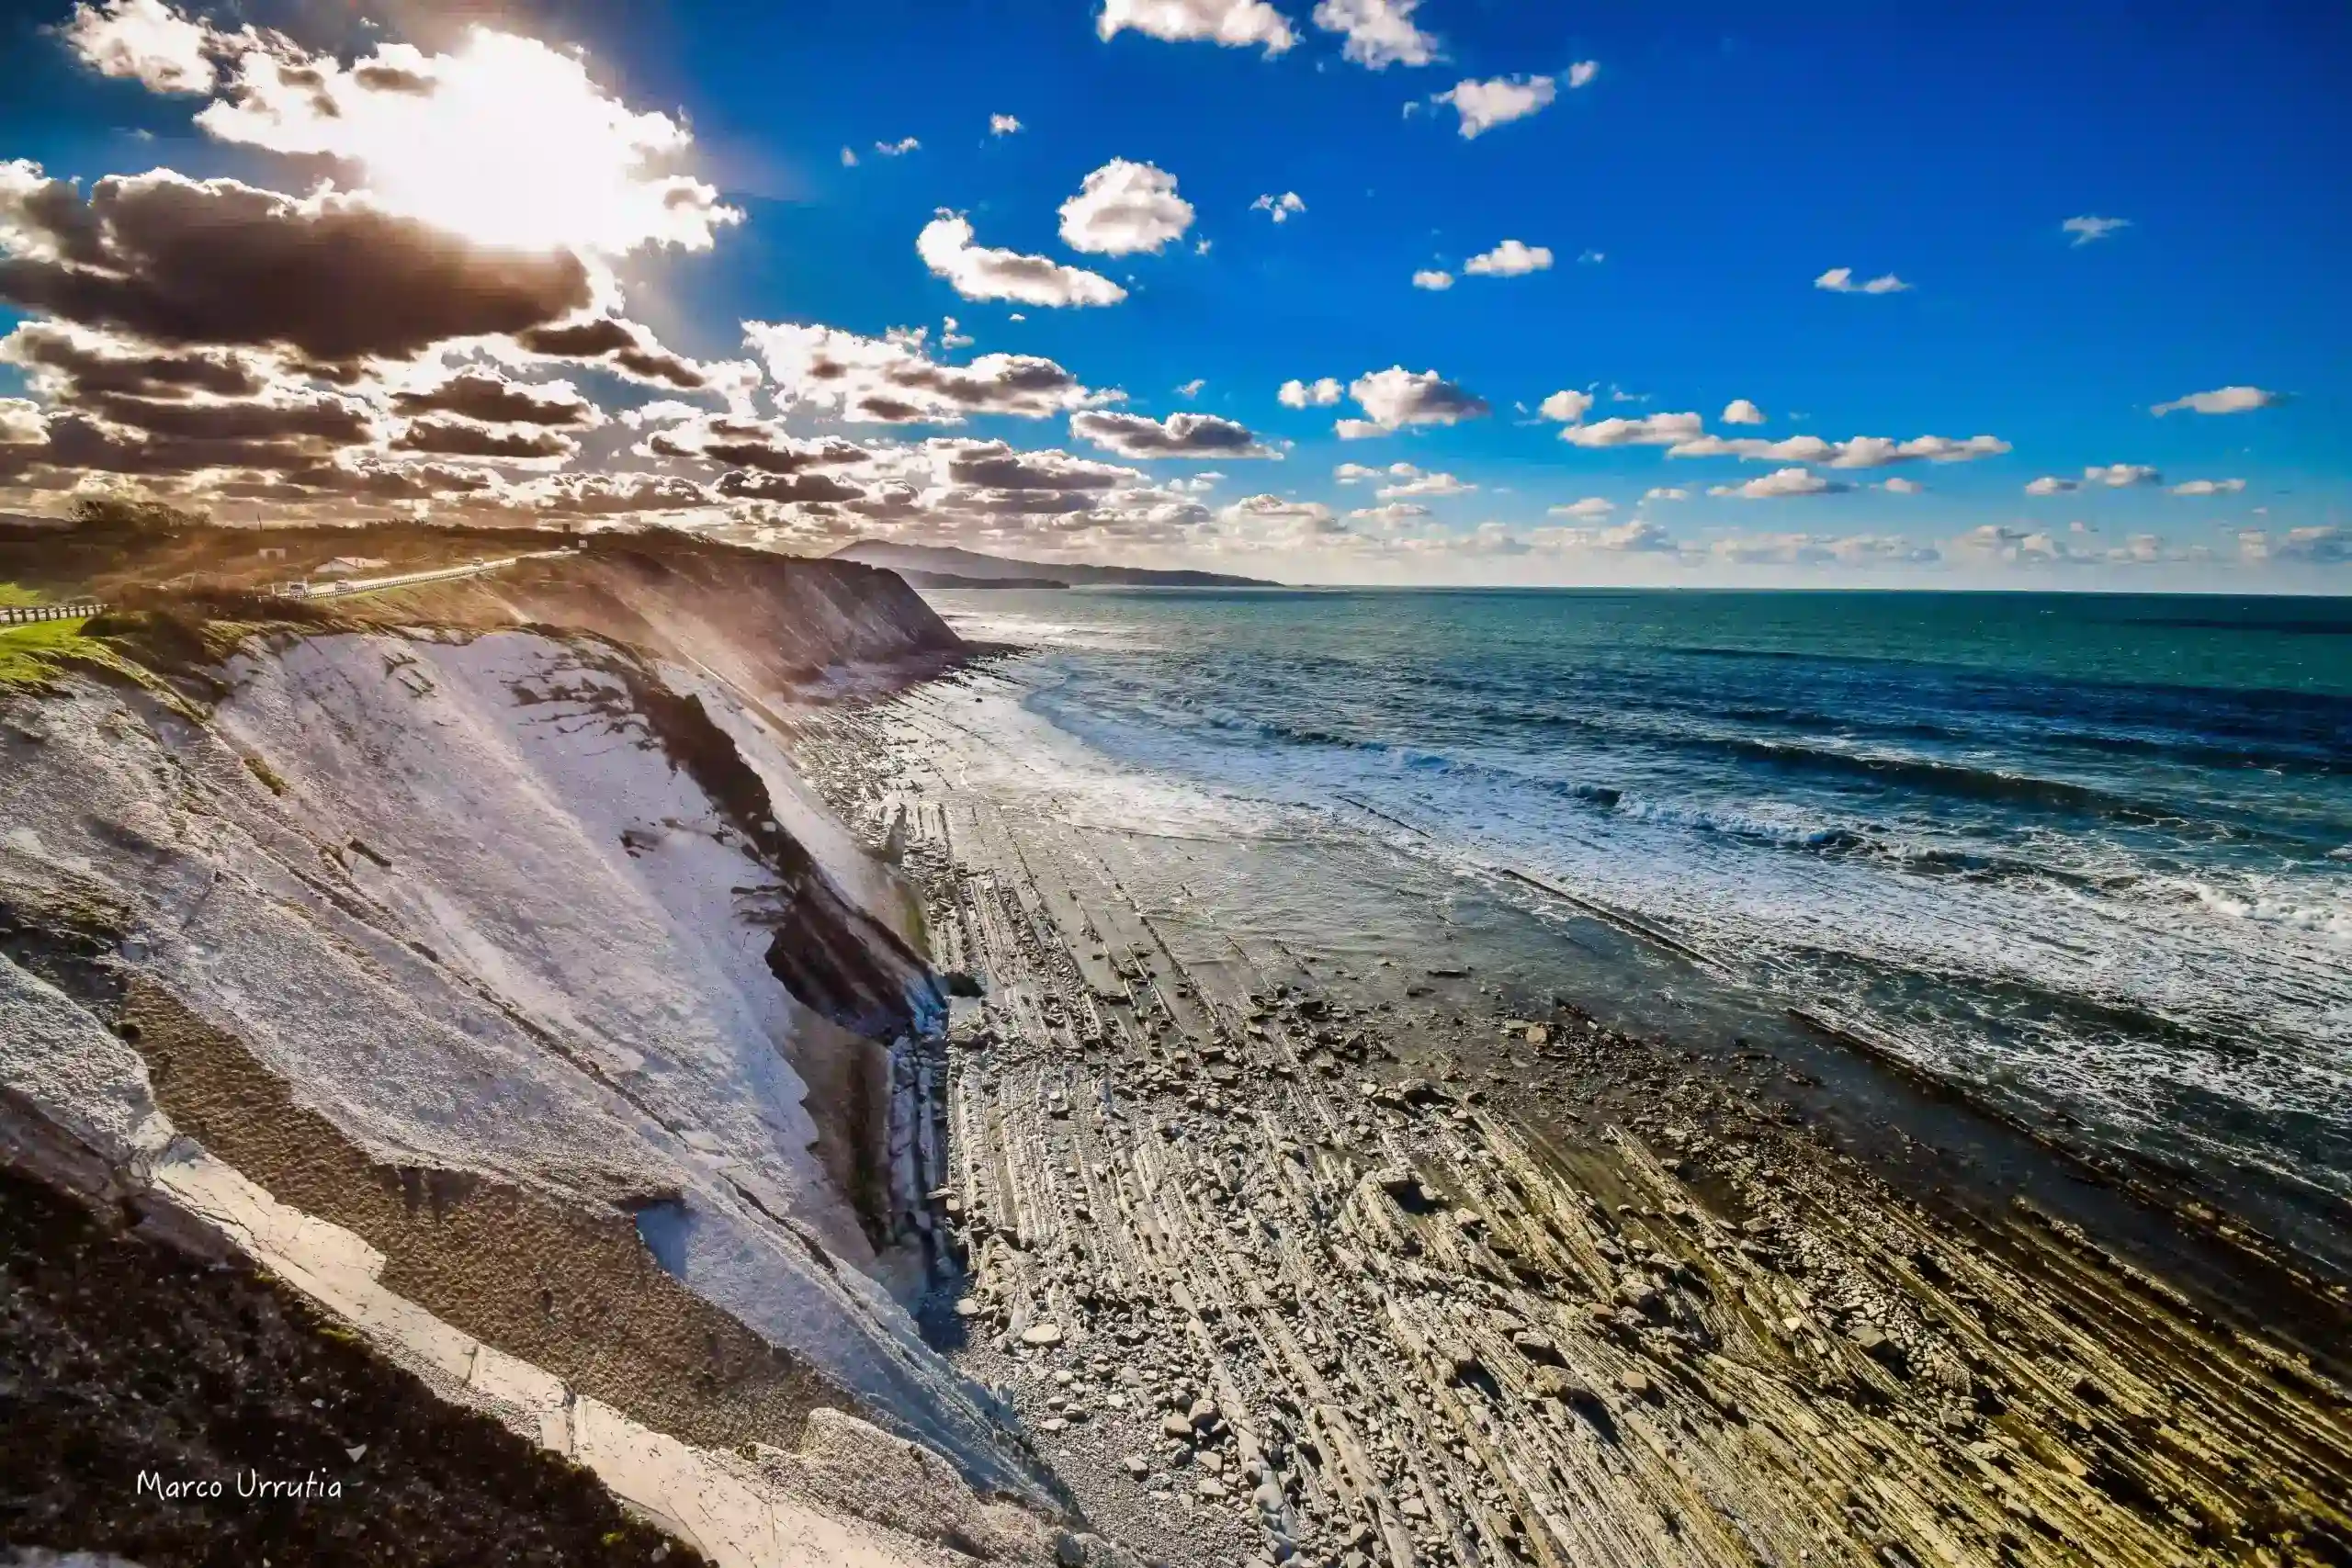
1357	1249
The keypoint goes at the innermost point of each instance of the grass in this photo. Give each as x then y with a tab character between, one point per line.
31	654
14	596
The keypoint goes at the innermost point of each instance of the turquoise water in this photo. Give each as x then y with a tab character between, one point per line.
2089	855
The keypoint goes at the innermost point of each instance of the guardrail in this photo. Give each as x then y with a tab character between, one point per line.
25	615
79	609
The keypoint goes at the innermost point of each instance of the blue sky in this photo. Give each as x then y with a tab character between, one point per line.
1691	178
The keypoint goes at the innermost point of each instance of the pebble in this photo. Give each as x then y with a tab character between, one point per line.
1042	1334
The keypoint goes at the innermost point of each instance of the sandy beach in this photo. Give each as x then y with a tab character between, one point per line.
1285	1258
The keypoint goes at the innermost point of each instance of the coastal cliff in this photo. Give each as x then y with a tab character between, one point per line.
472	962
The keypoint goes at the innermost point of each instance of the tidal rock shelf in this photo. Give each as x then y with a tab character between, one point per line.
1272	1277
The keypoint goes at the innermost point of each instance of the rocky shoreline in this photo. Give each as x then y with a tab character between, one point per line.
1272	1273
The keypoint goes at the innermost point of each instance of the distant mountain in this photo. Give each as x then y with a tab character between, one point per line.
938	561
949	579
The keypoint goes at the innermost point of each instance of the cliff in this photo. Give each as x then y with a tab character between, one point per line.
473	960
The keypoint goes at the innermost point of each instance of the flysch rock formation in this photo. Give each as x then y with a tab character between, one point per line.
1271	1284
504	992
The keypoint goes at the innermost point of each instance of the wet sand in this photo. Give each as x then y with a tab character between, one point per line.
1284	1256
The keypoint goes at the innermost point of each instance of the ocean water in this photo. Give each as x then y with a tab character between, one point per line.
2088	856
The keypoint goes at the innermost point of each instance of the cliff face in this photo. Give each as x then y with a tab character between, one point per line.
519	962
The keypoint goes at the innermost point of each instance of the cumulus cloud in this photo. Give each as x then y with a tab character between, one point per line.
1860	452
2209	487
1122	207
1397	397
1898	485
2222	399
176	261
1510	259
145	40
1003	125
826	370
1412	481
898	149
626	349
1497	101
21	423
2087	229
1840	280
1634	536
1666	493
1782	482
2050	484
492	399
2119	476
507	142
1739	410
63	362
1279	207
1190	388
1433	278
1270	520
1583	72
1650	430
1235	24
980	272
1567	407
471	438
1380	33
1592	506
1319	394
1179	435
734	441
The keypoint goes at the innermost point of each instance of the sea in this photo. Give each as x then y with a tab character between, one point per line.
2087	858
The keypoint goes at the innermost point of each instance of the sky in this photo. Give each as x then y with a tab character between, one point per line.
1319	290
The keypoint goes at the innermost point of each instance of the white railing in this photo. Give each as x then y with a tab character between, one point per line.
19	614
23	615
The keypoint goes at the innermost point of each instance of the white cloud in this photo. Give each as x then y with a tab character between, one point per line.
1898	485
1122	207
849	159
22	423
821	369
1397	397
1190	388
1583	72
950	338
1178	435
1003	125
2119	476
2050	484
1235	24
1592	506
1782	482
1269	518
2209	487
1860	452
1320	394
1636	534
1593	258
1433	278
1380	32
507	141
145	40
1417	483
981	273
2222	399
1740	410
1279	207
1510	259
898	149
1358	429
1650	430
2086	230
1667	493
1390	518
1497	101
1840	280
1567	407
